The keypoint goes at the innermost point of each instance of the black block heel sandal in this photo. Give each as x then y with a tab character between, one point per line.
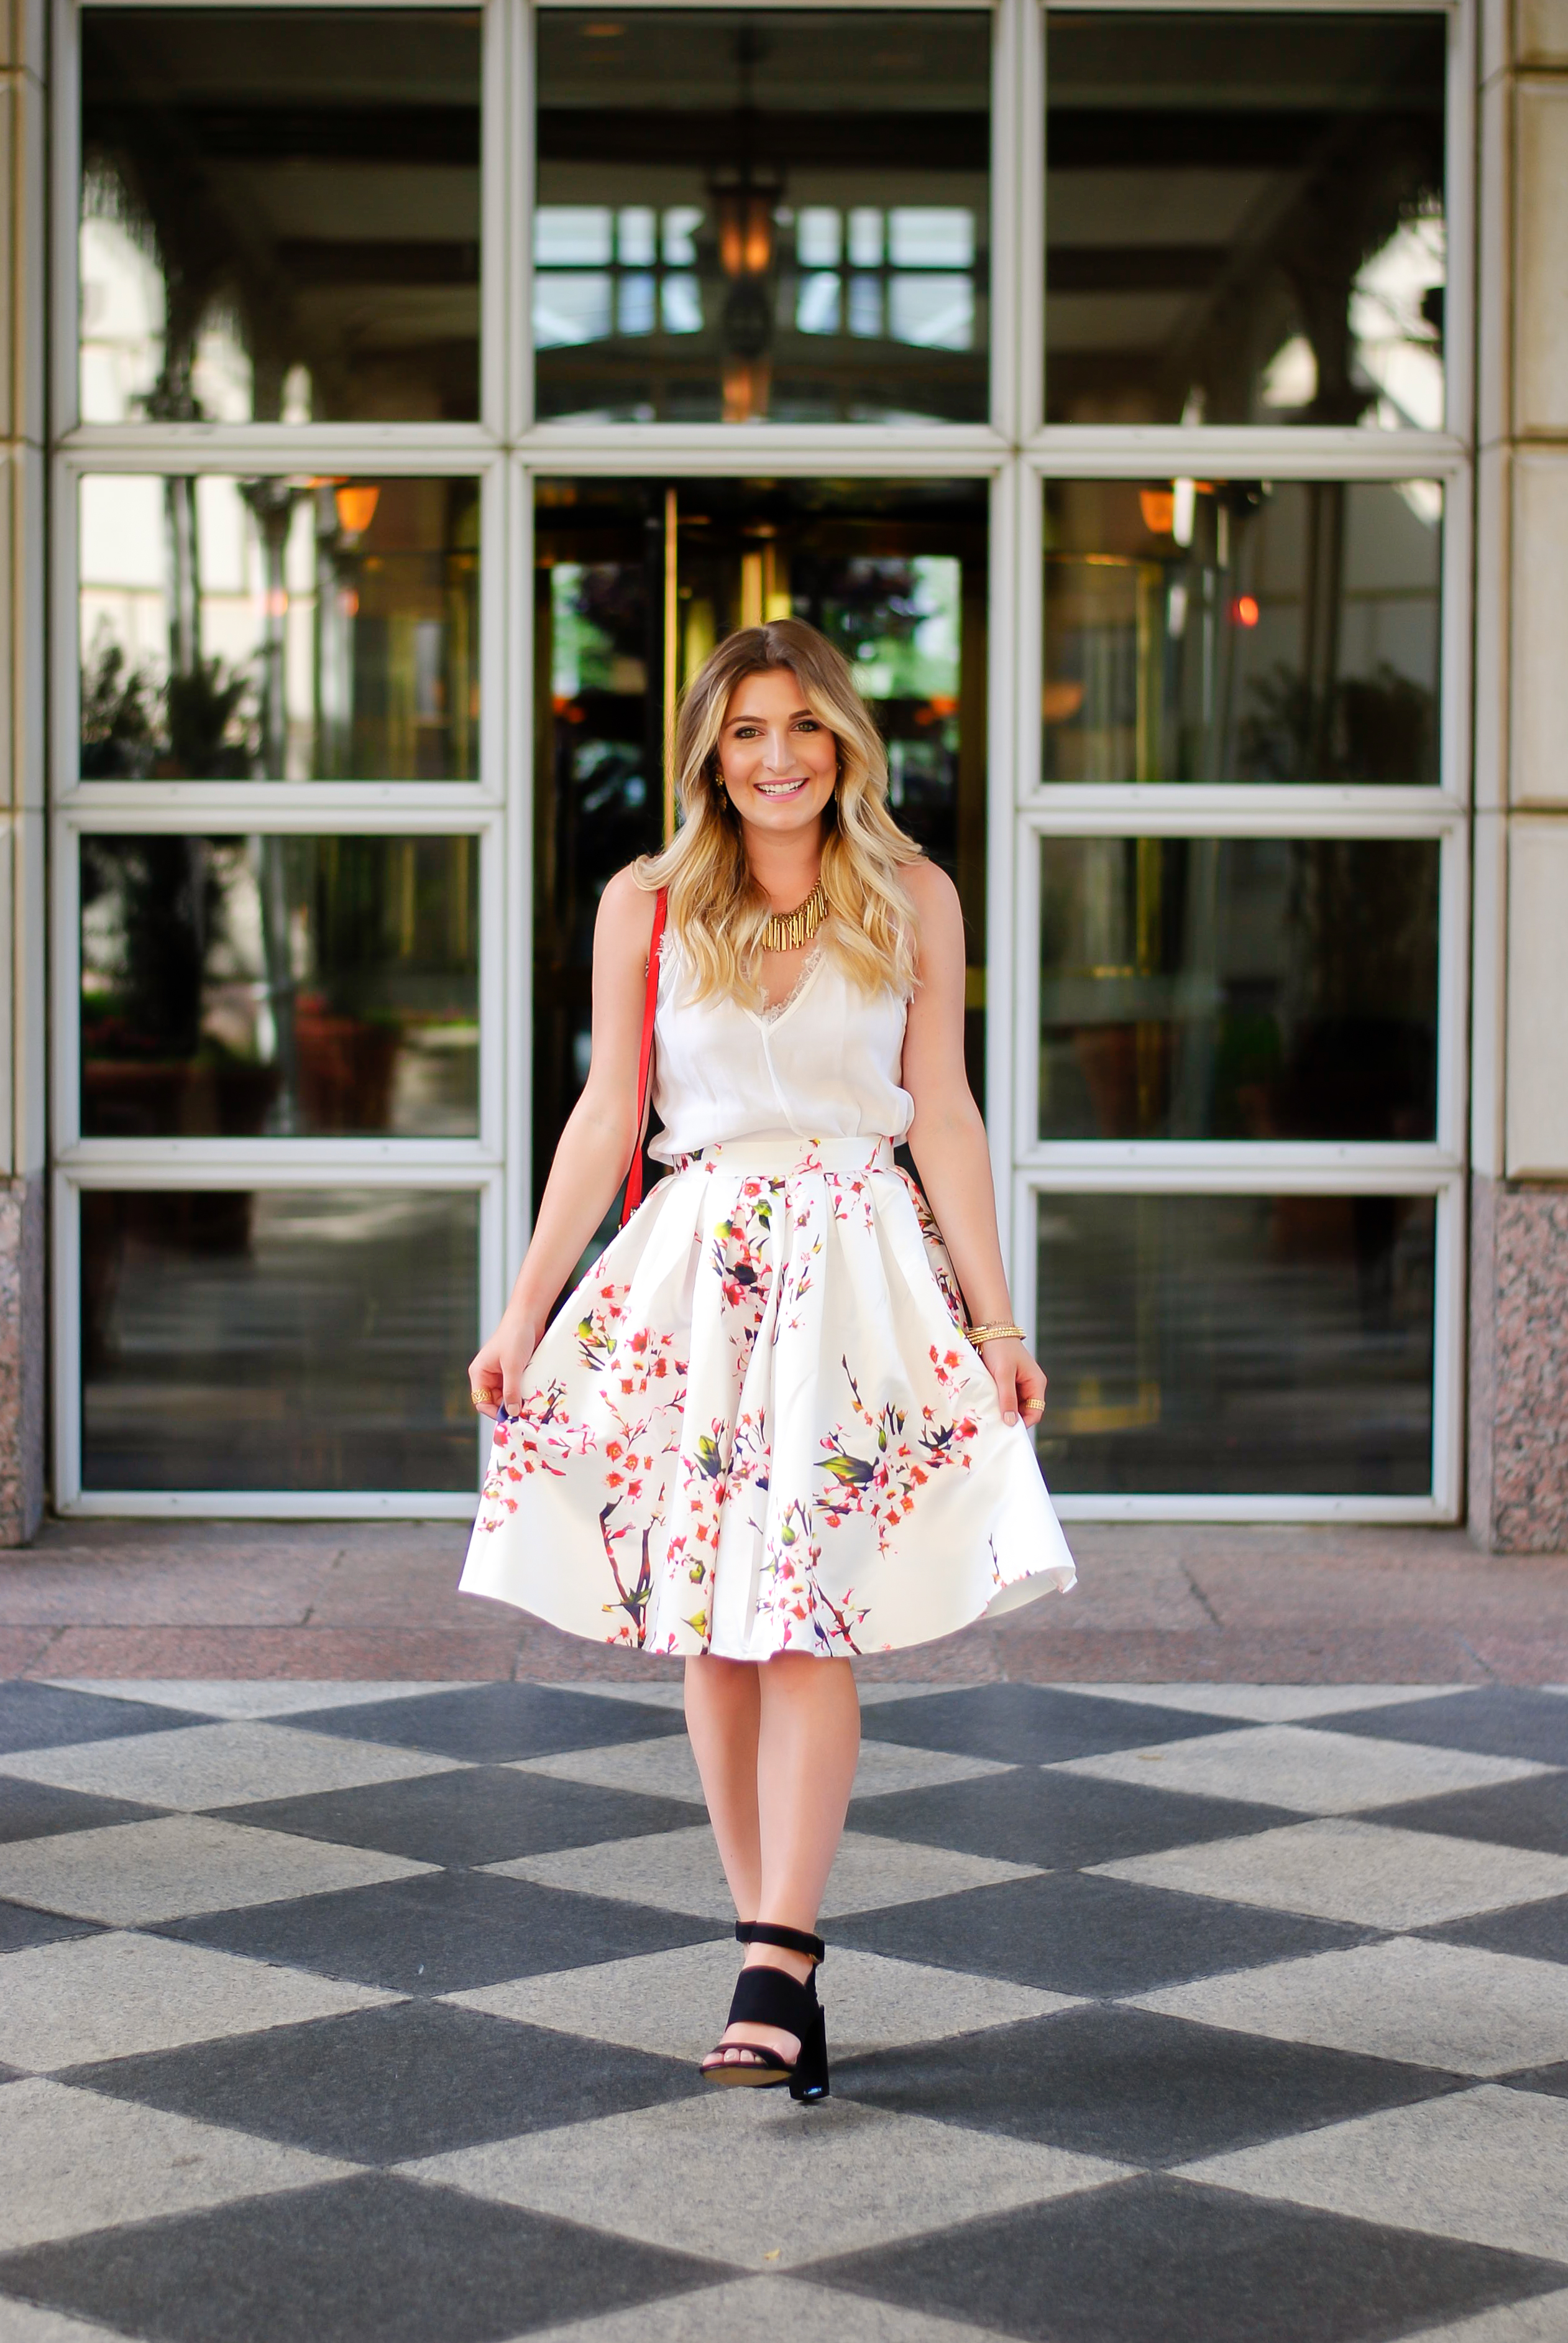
769	1996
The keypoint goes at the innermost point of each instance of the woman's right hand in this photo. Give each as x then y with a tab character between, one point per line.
498	1366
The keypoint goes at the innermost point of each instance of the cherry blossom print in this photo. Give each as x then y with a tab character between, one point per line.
756	1427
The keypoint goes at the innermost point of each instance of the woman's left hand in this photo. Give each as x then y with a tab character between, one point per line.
1019	1383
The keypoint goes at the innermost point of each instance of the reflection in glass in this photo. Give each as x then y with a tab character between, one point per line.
279	985
1237	1345
894	573
279	629
754	212
1238	988
272	1338
280	214
1242	630
1244	218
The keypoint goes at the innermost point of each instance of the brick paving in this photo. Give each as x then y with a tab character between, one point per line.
1158	1604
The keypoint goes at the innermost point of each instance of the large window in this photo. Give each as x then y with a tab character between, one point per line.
442	382
757	212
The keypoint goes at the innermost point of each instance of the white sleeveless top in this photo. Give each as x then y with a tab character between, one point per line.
822	1065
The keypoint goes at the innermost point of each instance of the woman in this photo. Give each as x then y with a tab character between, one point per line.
759	1436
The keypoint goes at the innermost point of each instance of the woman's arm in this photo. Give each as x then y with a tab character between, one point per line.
595	1149
948	1140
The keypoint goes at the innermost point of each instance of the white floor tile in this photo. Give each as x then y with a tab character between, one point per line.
679	1871
743	2179
1314	1773
1543	2319
1368	1873
675	2003
114	1996
193	1768
782	2309
1487	2166
243	1697
1442	2006
132	1875
1269	1704
72	2161
666	1768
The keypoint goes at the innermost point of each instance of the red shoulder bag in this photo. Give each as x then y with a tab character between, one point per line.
645	1057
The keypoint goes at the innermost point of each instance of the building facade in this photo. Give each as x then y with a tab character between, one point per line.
1165	410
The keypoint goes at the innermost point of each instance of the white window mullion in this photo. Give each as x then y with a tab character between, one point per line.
497	325
1009	166
1001	934
516	255
65	1329
65	185
515	1018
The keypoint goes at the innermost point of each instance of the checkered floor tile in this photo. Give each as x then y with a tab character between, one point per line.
344	2012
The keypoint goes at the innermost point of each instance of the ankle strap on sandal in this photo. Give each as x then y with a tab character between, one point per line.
789	1940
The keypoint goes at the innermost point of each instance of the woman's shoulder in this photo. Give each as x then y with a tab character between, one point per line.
927	884
929	889
625	920
628	902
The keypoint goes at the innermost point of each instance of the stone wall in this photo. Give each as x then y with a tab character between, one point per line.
1519	1368
22	1358
1518	1414
22	892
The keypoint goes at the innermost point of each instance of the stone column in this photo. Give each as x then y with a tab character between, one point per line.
1518	1210
22	893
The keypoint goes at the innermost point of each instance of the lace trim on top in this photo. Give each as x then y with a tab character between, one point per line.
776	1008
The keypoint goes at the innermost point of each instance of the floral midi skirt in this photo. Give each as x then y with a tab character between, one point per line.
756	1427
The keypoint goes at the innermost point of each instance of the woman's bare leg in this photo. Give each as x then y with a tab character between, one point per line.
723	1709
808	1742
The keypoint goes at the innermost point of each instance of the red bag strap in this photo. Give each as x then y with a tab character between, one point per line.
645	1058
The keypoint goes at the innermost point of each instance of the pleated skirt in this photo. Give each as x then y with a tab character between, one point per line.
756	1427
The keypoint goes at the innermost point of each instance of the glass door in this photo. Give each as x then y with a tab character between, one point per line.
635	582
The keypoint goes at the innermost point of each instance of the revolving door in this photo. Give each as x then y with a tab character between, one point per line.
635	582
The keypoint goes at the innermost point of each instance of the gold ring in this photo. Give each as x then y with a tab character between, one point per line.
481	1398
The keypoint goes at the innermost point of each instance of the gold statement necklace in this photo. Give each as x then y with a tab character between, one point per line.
788	930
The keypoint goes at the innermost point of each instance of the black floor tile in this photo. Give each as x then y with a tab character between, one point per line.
1070	1934
1533	1813
379	2085
48	1717
1059	1820
1131	2085
489	1724
1535	1932
21	1928
1499	1721
1554	2079
371	2260
1160	2260
1031	1725
447	1932
486	1813
38	1810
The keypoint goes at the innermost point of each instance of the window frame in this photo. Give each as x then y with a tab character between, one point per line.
1016	451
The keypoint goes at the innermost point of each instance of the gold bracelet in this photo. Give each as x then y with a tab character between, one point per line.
979	1334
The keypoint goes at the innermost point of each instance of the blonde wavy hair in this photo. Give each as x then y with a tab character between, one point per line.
716	907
